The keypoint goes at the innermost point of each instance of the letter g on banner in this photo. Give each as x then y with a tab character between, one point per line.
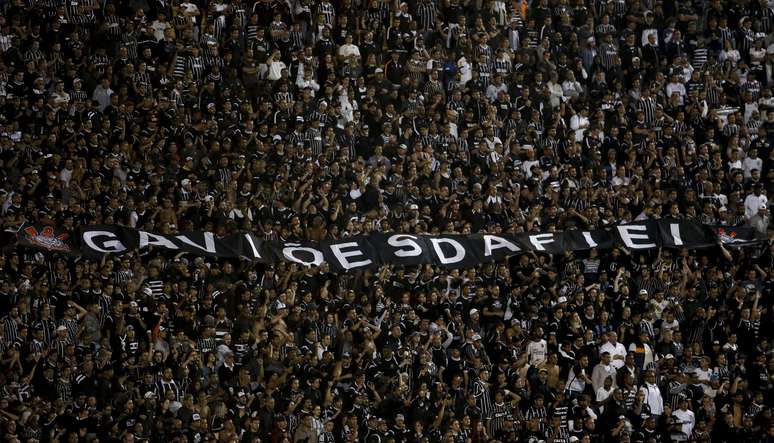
105	242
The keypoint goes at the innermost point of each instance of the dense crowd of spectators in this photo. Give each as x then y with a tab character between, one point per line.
317	120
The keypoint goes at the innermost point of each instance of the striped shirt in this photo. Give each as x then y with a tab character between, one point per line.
765	17
483	50
72	329
500	413
328	11
252	31
727	35
156	287
605	29
48	327
313	139
648	106
484	74
80	16
607	55
746	39
700	57
677	391
224	175
113	25
130	41
647	327
275	29
64	390
162	387
561	435
37	347
540	413
197	66
33	55
752	86
5	42
11	328
60	346
206	344
297	38
483	398
502	65
562	411
426	14
179	66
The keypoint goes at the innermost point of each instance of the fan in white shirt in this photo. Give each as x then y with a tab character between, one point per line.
686	420
604	392
616	350
652	392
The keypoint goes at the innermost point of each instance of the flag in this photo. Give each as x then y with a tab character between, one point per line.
45	237
736	236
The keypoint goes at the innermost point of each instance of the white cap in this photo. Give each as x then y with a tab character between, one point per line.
473	311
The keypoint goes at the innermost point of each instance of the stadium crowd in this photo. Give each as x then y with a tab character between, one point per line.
316	120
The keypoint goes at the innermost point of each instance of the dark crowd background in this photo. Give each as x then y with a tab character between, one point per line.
316	120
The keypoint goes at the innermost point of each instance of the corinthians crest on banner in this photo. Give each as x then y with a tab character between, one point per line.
45	237
736	236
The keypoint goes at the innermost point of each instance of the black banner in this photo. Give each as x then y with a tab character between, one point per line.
452	251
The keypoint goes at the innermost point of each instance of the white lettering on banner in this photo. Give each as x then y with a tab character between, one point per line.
629	234
209	242
674	228
249	238
108	246
403	240
541	239
148	239
342	256
589	240
492	242
459	251
291	248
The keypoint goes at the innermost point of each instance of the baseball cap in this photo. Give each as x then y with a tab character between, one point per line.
473	311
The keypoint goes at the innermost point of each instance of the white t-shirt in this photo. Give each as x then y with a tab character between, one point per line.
537	352
615	350
752	203
189	7
687	421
